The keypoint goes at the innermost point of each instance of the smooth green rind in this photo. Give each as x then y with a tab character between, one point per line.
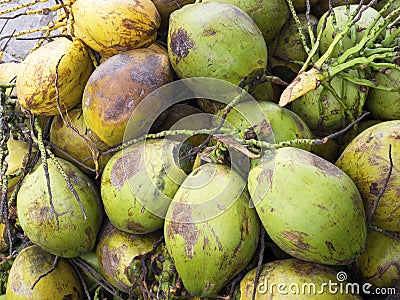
210	231
310	208
138	184
221	42
269	15
75	235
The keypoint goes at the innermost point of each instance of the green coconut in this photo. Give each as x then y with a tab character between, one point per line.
286	52
117	86
269	15
322	112
366	161
216	40
116	251
138	184
328	33
384	105
32	263
77	140
379	264
296	280
309	207
253	118
210	231
64	230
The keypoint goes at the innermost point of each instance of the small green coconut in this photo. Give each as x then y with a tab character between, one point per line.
210	231
63	227
31	264
309	207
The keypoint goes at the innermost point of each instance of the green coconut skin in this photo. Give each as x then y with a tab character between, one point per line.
222	41
341	19
322	112
31	263
116	250
75	234
309	207
208	252
384	105
366	161
285	124
379	264
138	184
291	272
269	15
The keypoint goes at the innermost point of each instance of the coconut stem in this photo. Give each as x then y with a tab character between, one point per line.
66	120
43	156
383	189
67	180
299	26
53	267
97	277
291	143
259	262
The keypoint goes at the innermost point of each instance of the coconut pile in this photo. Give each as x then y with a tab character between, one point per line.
181	149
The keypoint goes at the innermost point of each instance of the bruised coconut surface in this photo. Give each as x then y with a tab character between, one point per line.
302	218
116	250
116	88
207	253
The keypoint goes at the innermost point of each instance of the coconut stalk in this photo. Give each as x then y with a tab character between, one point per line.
327	67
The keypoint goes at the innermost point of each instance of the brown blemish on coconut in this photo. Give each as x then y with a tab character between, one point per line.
180	44
182	224
296	238
124	168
